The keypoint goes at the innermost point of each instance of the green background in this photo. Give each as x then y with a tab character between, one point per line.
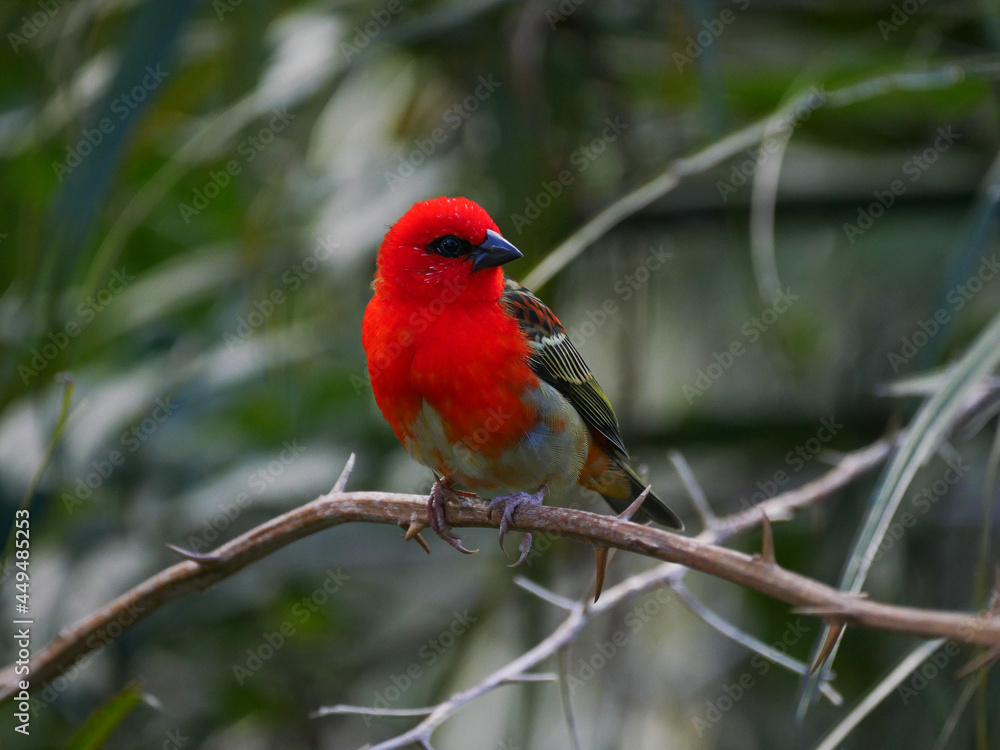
191	196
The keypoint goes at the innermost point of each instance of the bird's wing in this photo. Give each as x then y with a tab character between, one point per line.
556	361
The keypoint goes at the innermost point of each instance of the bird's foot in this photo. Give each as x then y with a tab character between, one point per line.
508	504
441	493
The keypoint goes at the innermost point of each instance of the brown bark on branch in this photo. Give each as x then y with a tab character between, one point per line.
336	508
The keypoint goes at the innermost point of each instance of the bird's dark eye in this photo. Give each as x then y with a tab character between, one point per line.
450	246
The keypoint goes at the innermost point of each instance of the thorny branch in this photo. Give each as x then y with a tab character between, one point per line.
702	553
849	468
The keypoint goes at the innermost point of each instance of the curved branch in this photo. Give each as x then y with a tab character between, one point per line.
336	508
942	76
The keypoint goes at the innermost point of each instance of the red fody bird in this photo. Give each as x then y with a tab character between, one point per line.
478	379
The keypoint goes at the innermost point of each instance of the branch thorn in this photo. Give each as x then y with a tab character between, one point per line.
626	515
767	553
413	532
207	560
602	554
983	660
832	636
993	601
345	474
601	558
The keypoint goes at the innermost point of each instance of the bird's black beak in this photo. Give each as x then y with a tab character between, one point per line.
494	251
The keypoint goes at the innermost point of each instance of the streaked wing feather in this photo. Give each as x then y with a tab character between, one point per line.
556	361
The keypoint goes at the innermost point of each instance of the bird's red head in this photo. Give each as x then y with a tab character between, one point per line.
442	242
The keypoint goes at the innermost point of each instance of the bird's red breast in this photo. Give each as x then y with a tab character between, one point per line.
435	332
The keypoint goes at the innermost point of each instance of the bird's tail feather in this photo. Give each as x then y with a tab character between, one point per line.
652	508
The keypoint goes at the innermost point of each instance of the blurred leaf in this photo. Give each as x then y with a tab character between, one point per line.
149	45
29	495
879	692
105	719
927	431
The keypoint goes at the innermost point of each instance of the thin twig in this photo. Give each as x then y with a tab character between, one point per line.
733	633
783	507
531	677
694	489
370	711
878	693
567	697
763	202
948	728
544	594
505	675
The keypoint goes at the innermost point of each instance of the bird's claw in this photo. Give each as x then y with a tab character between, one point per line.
508	504
441	492
524	548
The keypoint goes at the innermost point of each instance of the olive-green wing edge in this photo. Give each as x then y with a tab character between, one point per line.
556	361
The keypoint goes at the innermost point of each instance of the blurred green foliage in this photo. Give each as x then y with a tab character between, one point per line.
191	195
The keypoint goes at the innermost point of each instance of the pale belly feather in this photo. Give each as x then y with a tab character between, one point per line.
550	454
